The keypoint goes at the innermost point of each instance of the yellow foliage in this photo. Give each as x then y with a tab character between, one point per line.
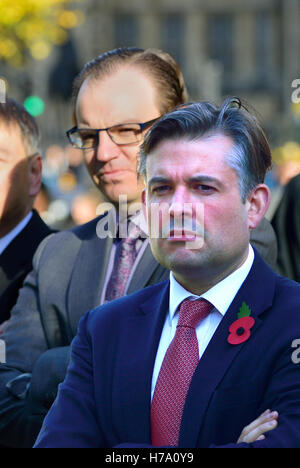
32	27
290	151
296	109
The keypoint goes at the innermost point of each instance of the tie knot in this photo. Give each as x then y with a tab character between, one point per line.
134	232
192	312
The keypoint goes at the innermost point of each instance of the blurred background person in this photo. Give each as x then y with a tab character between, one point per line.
286	223
284	210
21	228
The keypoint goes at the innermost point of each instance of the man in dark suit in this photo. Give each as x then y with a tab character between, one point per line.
190	361
21	228
74	271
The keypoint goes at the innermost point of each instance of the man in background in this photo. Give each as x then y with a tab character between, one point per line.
21	228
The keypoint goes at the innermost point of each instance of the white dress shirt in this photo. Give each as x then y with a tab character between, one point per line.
220	296
8	238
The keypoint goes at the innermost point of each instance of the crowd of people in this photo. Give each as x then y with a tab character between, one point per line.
132	339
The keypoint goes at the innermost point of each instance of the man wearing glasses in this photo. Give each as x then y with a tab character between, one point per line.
117	97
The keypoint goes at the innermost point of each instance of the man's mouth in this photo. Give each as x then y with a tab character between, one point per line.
109	175
181	235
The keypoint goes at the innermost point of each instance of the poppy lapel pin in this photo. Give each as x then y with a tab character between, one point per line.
239	331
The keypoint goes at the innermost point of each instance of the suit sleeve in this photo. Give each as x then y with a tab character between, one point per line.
283	395
72	420
25	341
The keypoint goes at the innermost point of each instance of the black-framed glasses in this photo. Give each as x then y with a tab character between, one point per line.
123	134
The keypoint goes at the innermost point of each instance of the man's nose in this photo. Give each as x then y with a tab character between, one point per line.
180	204
106	149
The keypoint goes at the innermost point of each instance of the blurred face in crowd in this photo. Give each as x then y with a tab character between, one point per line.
20	177
205	191
125	96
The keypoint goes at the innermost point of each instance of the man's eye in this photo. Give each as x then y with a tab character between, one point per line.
204	188
126	129
160	189
87	136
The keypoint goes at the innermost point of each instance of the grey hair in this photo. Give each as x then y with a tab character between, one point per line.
237	160
13	112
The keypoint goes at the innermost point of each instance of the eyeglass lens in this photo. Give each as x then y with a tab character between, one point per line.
120	134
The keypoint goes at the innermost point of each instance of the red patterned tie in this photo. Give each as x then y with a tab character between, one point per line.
176	373
118	281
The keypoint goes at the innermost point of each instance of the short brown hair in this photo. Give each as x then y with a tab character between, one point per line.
160	66
13	112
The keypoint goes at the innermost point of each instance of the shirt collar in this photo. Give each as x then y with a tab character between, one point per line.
138	219
220	296
8	238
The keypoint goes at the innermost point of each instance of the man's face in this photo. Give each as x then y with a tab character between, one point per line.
126	96
15	200
191	180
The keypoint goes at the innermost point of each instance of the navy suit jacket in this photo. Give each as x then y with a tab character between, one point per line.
105	398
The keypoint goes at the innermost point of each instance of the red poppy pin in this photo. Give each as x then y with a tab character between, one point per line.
239	331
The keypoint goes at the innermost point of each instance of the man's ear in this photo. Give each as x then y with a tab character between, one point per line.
258	203
35	168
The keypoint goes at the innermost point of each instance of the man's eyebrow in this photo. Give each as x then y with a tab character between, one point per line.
157	180
204	179
199	178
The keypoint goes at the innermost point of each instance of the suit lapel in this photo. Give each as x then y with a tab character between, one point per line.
88	277
4	281
133	375
144	270
257	291
18	254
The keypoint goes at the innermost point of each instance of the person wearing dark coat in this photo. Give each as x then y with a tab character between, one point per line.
16	262
21	227
286	224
